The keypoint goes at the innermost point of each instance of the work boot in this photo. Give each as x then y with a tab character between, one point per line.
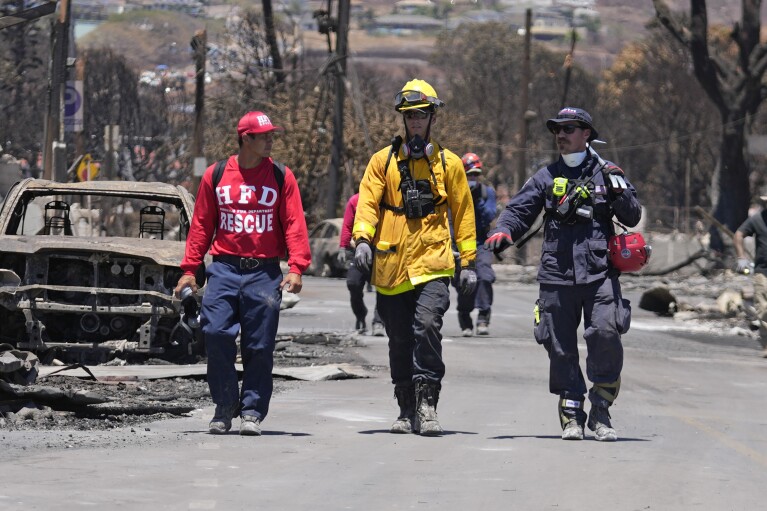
572	431
599	423
222	420
250	425
571	418
482	329
378	330
405	395
426	421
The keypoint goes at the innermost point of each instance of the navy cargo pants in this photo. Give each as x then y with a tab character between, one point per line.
245	302
606	315
413	321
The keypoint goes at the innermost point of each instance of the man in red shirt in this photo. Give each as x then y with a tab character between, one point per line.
247	222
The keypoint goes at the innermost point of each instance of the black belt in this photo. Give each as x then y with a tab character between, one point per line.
246	263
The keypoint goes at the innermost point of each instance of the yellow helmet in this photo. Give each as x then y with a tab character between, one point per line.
417	94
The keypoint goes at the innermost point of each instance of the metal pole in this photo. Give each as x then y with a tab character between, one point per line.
521	174
199	45
59	48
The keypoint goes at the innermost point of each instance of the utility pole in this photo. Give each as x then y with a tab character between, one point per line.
521	173
52	133
200	47
271	39
338	114
524	119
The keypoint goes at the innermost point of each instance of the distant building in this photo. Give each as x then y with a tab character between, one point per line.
403	24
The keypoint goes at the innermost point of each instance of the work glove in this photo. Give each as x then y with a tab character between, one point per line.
341	258
468	281
615	178
744	266
363	256
498	240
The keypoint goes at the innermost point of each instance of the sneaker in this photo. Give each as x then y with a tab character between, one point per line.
378	330
222	420
573	431
482	329
250	425
599	423
467	332
219	426
360	326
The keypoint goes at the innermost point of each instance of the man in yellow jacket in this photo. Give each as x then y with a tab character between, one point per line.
401	229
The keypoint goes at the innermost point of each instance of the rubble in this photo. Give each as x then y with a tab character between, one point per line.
117	394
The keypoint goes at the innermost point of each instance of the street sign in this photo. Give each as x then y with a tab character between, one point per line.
73	106
87	169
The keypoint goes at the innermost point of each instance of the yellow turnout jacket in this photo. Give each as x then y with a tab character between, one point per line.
409	252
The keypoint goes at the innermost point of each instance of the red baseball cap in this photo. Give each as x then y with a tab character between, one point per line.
254	123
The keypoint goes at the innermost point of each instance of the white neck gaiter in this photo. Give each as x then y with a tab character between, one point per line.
574	159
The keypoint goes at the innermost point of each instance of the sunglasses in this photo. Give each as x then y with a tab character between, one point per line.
416	115
569	129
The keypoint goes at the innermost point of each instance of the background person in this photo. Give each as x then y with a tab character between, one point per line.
356	278
483	198
756	226
248	222
402	215
575	275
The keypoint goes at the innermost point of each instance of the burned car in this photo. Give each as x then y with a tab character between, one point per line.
85	265
324	241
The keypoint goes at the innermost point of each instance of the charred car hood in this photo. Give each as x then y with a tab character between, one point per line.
163	252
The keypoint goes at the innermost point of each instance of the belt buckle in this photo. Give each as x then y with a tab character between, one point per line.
247	263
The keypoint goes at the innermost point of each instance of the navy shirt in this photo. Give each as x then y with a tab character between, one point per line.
572	253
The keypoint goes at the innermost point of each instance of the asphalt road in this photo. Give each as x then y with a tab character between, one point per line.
691	420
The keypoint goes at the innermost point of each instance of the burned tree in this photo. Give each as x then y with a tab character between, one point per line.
735	86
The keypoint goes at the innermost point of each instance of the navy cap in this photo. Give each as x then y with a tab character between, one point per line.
569	114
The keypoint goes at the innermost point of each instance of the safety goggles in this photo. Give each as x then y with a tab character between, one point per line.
415	114
569	129
414	97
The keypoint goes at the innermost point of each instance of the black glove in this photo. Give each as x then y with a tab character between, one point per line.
363	256
468	281
498	240
341	257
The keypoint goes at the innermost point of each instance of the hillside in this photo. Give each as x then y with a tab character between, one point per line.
148	39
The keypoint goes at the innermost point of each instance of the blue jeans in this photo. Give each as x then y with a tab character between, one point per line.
413	321
245	302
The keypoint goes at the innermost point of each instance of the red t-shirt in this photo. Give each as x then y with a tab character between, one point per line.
346	229
247	216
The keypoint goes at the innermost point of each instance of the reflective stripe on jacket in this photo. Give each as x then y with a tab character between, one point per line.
409	252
